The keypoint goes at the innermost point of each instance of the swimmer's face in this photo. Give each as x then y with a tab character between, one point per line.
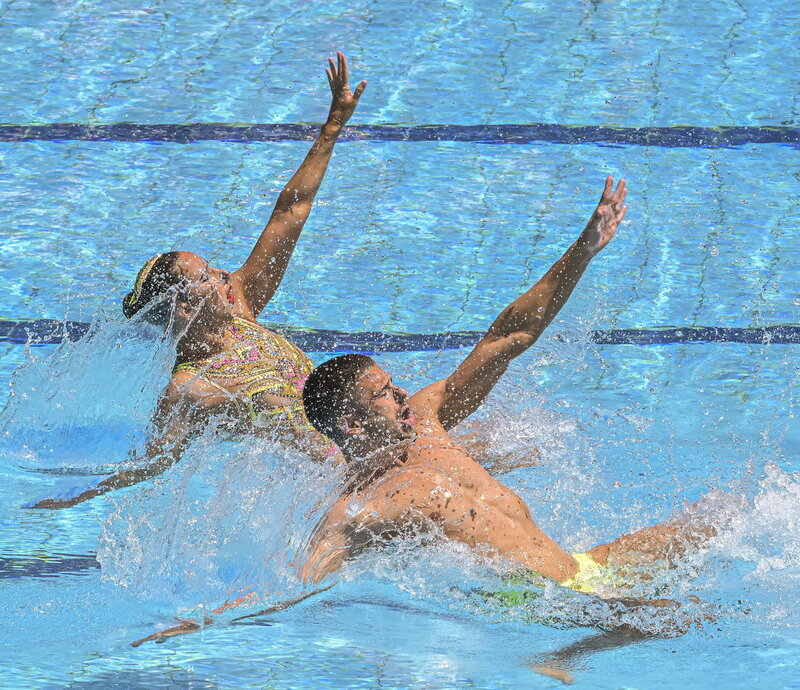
386	416
210	290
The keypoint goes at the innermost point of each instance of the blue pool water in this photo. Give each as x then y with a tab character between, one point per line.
413	234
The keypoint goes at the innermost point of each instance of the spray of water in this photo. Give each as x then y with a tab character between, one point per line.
79	408
231	517
226	522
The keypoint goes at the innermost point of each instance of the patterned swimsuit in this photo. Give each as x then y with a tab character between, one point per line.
259	362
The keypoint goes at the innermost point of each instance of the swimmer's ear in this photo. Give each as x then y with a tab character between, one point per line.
182	308
350	425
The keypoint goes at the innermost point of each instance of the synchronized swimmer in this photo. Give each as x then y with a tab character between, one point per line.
226	362
399	457
405	474
410	476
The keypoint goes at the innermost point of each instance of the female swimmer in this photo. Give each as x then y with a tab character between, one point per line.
226	362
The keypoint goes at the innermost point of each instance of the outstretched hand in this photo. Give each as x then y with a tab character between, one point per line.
606	218
344	101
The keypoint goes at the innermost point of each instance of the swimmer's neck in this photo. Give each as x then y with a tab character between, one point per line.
358	451
363	470
201	341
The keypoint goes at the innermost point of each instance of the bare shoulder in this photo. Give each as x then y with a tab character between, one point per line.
187	386
426	403
417	484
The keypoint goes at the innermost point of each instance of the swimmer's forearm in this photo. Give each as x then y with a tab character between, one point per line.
263	271
120	480
304	184
123	480
529	315
516	328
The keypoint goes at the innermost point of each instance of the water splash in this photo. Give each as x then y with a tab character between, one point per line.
763	538
81	406
227	521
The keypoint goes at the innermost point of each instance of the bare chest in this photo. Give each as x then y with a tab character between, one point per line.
444	484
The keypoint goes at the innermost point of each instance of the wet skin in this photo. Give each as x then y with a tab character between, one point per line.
424	479
412	476
209	298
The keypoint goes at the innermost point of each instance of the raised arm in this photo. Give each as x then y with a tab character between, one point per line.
263	271
521	323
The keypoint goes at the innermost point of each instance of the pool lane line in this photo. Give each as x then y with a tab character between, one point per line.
51	565
40	332
669	137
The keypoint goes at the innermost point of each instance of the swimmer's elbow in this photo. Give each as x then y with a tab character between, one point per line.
291	209
521	341
506	347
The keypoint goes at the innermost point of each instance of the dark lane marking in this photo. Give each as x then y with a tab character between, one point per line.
764	335
50	565
670	137
51	332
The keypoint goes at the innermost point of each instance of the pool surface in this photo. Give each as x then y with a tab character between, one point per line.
474	159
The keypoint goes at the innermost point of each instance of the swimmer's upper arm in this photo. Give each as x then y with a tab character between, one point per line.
187	389
261	275
187	400
328	547
399	504
455	398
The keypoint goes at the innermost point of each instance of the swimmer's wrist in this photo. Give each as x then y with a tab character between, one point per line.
584	246
333	125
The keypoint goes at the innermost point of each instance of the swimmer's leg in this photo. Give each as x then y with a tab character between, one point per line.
664	542
560	663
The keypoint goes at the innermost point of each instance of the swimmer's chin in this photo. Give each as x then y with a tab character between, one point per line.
408	420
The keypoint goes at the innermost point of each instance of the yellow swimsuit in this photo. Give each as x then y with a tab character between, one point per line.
590	577
260	362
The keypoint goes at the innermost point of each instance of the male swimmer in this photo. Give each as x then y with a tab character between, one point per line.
407	474
226	362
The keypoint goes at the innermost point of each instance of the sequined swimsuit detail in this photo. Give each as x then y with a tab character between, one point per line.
259	362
